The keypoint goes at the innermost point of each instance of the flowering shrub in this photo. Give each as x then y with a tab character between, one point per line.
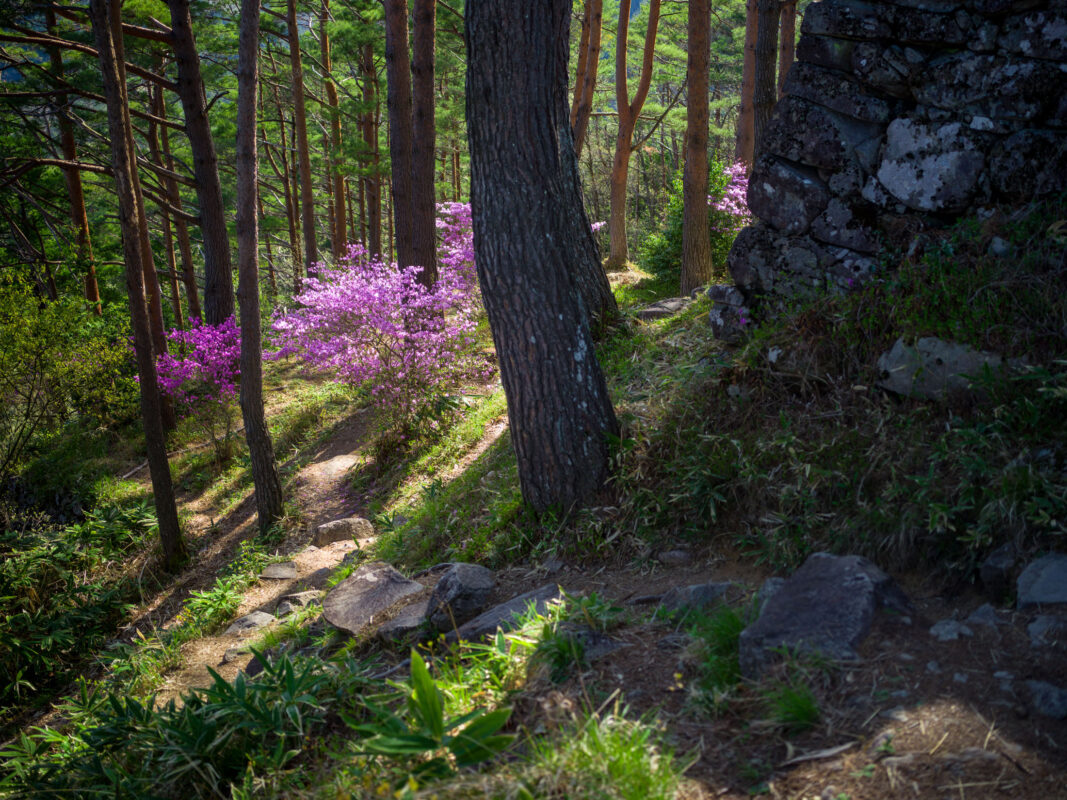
374	326
661	253
204	381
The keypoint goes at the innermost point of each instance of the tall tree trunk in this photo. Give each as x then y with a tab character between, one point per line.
628	113
697	264
423	142
340	224
123	164
307	198
583	106
401	134
765	95
746	136
370	138
268	488
72	176
787	48
153	294
181	228
218	266
272	281
558	406
455	174
168	237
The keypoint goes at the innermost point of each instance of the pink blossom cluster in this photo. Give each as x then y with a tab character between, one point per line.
208	371
374	326
732	205
597	226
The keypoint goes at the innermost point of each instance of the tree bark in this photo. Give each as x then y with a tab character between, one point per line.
423	143
338	237
746	137
123	163
307	198
584	101
372	182
697	264
558	406
401	135
628	113
168	237
181	227
788	45
765	94
73	178
218	266
268	488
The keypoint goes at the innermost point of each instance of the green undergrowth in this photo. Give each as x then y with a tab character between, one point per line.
327	726
787	446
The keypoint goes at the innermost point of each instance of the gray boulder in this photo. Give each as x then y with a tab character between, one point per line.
363	598
729	315
1044	582
826	606
460	594
949	630
282	571
1048	631
340	530
503	616
786	197
1048	700
249	622
932	368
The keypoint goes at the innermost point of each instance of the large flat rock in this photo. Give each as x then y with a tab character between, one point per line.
827	606
361	599
503	616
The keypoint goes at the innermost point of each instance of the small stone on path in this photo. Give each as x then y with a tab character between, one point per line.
674	558
295	602
234	653
282	571
983	615
250	622
340	530
698	595
1048	700
949	630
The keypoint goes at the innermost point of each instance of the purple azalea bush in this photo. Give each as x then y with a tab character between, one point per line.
203	381
730	202
373	326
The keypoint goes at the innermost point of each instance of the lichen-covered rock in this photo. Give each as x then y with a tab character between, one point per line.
729	317
837	92
1029	163
840	225
830	141
931	167
786	197
848	20
1038	34
995	86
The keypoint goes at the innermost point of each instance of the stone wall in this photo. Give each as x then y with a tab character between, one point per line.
898	116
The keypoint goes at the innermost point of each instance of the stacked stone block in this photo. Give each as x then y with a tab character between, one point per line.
899	116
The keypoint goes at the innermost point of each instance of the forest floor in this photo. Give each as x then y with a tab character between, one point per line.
730	461
916	718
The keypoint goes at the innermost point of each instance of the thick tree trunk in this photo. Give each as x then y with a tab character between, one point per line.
268	488
765	94
307	198
218	266
583	106
339	237
628	114
401	135
423	143
73	178
181	228
123	164
697	264
787	49
558	405
372	182
746	137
